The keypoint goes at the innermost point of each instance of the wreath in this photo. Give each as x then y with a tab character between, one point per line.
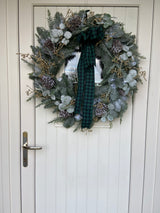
74	95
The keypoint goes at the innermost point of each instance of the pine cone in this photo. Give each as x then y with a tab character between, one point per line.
65	114
121	92
74	23
48	82
116	47
48	43
101	108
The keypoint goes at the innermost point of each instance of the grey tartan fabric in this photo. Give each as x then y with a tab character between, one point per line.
85	93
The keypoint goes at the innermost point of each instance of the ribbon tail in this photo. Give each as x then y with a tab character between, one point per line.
88	99
85	94
80	91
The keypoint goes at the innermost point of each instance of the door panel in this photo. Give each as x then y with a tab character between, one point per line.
79	172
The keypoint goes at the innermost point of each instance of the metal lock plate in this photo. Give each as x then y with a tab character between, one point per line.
25	151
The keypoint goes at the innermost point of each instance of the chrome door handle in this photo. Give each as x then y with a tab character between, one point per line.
25	146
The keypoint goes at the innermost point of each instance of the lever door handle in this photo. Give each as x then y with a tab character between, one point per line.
25	146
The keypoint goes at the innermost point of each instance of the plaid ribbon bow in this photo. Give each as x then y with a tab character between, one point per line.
85	93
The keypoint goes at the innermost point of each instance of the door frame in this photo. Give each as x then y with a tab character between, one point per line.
10	195
138	132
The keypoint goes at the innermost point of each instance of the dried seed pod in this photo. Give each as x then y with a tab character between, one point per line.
73	23
48	43
65	114
117	47
48	82
101	108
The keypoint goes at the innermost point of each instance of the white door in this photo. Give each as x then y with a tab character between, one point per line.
97	172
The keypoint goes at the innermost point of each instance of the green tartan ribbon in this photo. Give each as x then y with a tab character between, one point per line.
86	85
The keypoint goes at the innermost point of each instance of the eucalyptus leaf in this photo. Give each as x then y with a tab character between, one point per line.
107	17
61	107
133	83
45	93
125	48
103	119
65	99
124	57
110	106
70	109
69	122
53	97
110	117
107	24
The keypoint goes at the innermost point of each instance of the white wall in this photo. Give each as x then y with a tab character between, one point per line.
10	115
151	194
9	109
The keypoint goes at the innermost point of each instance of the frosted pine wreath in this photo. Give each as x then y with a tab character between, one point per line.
84	93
